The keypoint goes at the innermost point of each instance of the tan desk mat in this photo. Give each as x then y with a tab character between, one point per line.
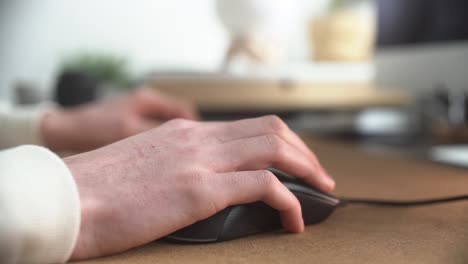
354	234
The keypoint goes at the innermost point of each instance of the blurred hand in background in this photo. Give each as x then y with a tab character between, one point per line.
94	125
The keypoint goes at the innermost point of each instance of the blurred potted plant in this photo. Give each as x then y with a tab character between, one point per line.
87	76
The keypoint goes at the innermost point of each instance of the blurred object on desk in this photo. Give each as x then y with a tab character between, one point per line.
88	76
447	113
258	31
345	33
26	93
74	88
384	122
454	155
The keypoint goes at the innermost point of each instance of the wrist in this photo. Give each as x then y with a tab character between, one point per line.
83	173
56	128
101	178
92	171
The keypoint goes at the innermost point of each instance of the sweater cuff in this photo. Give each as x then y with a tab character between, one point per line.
20	126
39	207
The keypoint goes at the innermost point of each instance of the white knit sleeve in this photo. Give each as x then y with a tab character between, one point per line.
39	207
19	126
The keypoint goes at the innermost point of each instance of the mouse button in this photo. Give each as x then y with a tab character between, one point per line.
315	210
248	219
207	230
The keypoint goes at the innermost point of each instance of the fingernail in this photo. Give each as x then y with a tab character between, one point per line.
326	173
329	182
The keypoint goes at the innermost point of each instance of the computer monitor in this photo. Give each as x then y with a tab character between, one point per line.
403	22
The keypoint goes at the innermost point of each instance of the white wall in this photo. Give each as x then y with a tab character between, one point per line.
35	35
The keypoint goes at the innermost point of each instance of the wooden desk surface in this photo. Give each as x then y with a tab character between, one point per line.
265	95
353	234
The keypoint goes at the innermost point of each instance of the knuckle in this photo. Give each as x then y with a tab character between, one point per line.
195	153
275	123
195	188
202	196
189	135
177	122
266	179
183	134
196	178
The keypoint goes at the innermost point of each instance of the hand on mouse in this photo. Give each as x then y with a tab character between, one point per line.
94	125
147	186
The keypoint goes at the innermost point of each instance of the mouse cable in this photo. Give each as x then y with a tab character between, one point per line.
395	203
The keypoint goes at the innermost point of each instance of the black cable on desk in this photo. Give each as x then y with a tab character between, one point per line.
392	203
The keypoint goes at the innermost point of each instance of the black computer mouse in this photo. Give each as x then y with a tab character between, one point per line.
248	219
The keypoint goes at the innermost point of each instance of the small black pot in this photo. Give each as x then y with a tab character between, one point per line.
74	88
